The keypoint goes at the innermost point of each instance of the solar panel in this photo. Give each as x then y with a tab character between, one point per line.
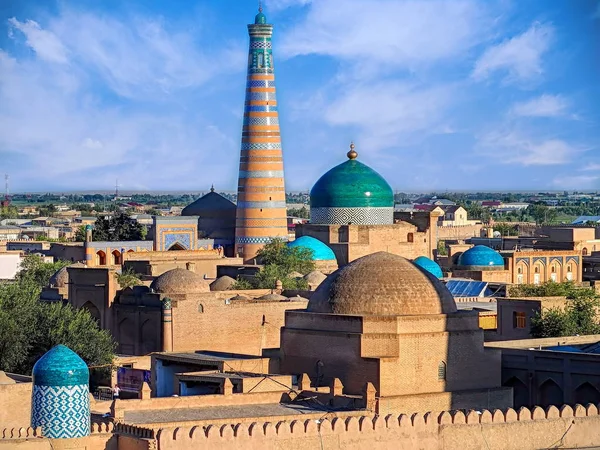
466	288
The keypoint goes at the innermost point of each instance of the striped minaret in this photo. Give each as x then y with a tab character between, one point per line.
261	211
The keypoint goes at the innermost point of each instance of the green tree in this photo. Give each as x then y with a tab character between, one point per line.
579	316
29	328
80	234
9	212
128	278
441	248
279	261
34	269
299	212
119	227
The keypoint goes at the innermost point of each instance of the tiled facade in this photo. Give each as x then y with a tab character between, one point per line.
261	190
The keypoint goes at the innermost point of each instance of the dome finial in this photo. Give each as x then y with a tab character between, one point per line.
259	6
212	188
352	154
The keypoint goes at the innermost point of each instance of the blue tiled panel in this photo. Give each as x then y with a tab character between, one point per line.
60	395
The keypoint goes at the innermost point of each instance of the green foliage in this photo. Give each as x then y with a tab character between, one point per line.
128	278
29	328
299	212
549	289
578	318
9	212
441	248
242	284
38	272
506	229
119	227
279	261
80	234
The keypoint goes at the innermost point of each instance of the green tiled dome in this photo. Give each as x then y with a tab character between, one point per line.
352	192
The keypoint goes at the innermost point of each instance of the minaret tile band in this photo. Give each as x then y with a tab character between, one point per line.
261	208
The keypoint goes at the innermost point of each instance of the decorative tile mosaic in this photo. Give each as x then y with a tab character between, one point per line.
261	146
261	121
61	411
256	205
260	83
265	108
256	240
356	216
261	174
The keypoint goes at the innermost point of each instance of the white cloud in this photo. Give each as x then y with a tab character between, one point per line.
388	33
519	57
63	125
45	43
517	147
387	112
543	106
591	167
277	5
576	182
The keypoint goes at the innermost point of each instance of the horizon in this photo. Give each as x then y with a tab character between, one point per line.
446	96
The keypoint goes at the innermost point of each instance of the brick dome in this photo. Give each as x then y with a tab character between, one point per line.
180	281
382	284
60	278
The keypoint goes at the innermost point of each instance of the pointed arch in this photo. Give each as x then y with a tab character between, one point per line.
116	257
587	393
93	310
100	258
550	393
176	246
520	392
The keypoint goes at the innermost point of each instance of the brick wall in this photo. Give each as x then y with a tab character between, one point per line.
16	404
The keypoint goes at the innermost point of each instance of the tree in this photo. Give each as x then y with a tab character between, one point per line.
119	227
34	269
579	316
279	261
128	278
9	212
299	212
29	328
441	248
80	234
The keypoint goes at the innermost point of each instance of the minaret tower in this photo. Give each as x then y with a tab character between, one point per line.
261	210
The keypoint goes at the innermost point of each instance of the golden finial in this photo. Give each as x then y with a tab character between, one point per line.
352	154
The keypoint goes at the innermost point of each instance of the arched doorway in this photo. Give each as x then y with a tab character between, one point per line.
520	392
127	334
176	246
149	338
584	252
587	393
550	393
93	310
116	257
100	258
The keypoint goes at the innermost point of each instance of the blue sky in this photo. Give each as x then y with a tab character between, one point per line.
457	94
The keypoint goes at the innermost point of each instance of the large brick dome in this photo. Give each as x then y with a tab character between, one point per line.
180	281
382	284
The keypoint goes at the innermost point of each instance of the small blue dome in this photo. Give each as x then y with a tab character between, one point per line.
60	366
60	398
260	19
481	256
429	265
321	252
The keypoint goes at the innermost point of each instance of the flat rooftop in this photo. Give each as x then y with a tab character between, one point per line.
197	357
222	412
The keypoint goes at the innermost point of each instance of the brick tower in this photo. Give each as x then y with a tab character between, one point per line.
261	210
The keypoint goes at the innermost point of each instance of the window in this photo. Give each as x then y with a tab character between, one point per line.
519	319
584	252
410	237
520	270
442	371
537	270
200	308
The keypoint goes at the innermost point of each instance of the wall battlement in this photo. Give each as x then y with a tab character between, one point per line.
569	426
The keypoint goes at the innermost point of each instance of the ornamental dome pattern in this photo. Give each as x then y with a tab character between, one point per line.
429	265
60	402
481	257
180	281
382	284
321	252
351	192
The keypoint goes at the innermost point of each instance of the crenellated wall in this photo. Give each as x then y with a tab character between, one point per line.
101	437
519	430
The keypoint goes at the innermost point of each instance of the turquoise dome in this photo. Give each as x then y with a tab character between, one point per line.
60	398
429	265
352	192
481	257
321	252
260	18
60	366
